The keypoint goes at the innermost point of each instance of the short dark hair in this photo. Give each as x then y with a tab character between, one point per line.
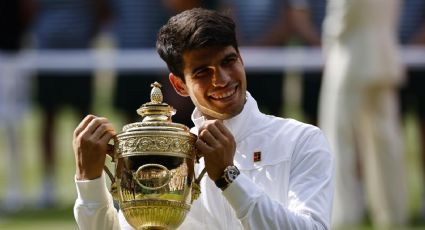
193	29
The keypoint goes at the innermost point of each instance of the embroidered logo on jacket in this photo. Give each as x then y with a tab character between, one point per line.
257	156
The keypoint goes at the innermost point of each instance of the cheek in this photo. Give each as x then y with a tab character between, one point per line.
198	88
194	92
241	73
238	73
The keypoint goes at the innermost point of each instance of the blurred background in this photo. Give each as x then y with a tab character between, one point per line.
63	59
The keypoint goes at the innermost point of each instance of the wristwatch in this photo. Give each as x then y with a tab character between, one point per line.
229	175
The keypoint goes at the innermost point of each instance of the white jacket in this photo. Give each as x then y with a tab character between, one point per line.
290	188
360	43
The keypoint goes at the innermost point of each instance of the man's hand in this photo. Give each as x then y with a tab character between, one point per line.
90	143
217	145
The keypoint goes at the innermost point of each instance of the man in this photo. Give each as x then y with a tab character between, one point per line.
283	169
14	97
62	25
306	18
359	112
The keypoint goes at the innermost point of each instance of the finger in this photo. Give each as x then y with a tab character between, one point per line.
109	131
106	138
203	147
208	138
93	125
83	124
223	129
216	132
102	129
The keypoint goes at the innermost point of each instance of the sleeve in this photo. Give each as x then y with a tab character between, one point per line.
309	197
94	207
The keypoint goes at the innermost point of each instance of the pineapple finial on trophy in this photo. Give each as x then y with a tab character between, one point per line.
156	109
156	93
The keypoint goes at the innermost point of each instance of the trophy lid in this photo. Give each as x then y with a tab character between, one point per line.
156	134
156	114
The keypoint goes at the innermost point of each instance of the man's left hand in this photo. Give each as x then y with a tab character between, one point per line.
218	146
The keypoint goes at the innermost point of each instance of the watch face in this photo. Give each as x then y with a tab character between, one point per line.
231	173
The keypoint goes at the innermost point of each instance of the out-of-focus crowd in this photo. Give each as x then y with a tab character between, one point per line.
368	161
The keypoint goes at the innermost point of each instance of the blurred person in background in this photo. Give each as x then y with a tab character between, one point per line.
14	95
262	24
412	94
359	112
134	26
306	18
62	25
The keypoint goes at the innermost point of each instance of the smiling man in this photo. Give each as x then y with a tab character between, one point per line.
214	78
264	172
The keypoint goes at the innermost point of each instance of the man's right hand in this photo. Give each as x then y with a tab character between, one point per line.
90	144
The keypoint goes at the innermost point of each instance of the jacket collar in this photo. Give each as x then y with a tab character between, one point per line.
238	125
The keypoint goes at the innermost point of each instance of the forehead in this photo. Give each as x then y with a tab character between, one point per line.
206	56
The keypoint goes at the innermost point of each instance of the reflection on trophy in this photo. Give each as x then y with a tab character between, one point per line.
154	180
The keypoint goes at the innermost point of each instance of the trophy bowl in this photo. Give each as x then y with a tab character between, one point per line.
154	180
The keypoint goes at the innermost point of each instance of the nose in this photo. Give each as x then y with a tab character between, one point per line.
220	78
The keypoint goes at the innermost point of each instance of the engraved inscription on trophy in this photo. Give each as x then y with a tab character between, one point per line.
152	176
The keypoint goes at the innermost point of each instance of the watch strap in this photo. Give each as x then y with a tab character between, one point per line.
221	183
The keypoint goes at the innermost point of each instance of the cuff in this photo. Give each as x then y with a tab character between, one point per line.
92	191
241	194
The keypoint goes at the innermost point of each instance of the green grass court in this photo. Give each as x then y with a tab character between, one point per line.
61	217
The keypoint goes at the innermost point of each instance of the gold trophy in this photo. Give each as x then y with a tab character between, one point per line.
154	180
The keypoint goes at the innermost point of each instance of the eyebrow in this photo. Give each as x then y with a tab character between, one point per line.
197	69
230	55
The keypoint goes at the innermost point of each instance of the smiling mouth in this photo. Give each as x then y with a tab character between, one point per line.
223	95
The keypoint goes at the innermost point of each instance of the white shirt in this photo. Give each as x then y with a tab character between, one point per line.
360	43
290	188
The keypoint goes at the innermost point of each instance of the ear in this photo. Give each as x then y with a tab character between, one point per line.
178	85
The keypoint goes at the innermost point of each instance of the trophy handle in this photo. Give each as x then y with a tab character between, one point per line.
110	175
196	187
106	169
114	189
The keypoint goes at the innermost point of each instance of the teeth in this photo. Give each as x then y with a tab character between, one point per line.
228	94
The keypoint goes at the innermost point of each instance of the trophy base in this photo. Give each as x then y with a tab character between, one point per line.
154	214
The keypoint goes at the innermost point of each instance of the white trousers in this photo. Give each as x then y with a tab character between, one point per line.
362	124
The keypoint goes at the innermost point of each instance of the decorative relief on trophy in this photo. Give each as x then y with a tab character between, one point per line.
154	179
164	144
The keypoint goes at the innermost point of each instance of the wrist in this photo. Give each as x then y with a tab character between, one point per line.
82	175
229	174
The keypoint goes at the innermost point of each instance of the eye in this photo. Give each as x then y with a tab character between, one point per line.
204	72
230	60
